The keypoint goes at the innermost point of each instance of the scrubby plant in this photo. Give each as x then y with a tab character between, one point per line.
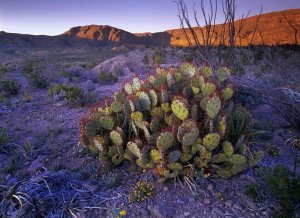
39	80
107	77
67	92
11	87
141	191
158	57
3	137
176	119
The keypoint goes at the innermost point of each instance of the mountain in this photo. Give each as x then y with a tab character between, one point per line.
275	28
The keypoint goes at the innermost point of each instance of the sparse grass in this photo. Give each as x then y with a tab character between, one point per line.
158	57
10	87
67	92
113	181
107	78
39	80
14	163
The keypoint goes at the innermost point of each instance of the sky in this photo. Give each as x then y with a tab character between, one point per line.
53	17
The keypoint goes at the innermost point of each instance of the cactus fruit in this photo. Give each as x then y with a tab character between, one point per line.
116	138
116	106
211	141
180	110
107	122
165	141
208	89
227	93
213	107
227	148
174	156
176	120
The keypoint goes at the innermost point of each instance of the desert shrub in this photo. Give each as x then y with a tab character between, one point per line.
146	59
107	77
3	137
29	68
239	123
39	81
175	117
280	183
3	71
158	56
69	93
141	191
11	87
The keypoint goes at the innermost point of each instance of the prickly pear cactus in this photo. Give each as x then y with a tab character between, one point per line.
171	123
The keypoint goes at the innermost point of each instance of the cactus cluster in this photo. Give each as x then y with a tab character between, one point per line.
172	121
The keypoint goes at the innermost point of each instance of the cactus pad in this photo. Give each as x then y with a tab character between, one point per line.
208	89
116	138
174	156
116	106
227	148
213	107
227	93
165	141
206	71
180	110
211	141
107	122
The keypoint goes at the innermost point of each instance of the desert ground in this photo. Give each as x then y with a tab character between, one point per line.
45	171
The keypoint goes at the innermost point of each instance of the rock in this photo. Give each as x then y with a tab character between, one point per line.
229	203
217	211
161	210
165	189
251	204
235	211
191	199
90	187
186	214
206	201
210	187
180	201
238	207
38	163
265	213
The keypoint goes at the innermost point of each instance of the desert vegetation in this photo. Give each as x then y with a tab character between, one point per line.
149	129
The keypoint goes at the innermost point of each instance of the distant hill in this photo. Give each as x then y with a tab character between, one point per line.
274	28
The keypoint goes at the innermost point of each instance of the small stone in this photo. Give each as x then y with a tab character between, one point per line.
191	199
229	203
264	213
210	187
235	211
251	204
217	211
179	201
238	207
165	189
206	201
186	213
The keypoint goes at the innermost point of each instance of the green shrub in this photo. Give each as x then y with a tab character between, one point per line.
67	92
107	77
173	118
158	57
3	137
11	87
39	81
282	184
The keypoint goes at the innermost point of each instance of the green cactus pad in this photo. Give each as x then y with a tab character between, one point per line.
213	107
211	141
117	159
166	107
155	156
128	88
128	107
180	110
227	93
120	97
223	74
116	138
227	148
222	127
174	156
137	116
144	101
208	89
169	175
107	122
185	157
153	97
206	71
136	84
187	70
135	149
219	158
165	141
190	137
164	96
155	125
116	106
175	166
237	159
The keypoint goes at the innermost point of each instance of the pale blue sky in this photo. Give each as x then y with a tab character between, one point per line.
52	17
